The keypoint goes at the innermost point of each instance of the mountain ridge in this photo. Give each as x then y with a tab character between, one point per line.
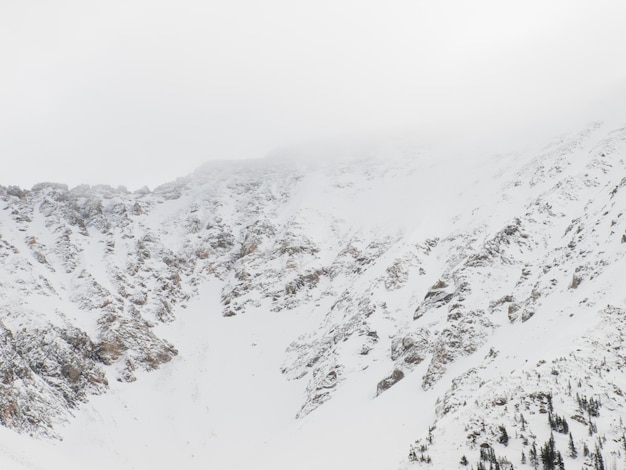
397	269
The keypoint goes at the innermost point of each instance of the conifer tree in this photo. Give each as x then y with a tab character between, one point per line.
504	436
559	461
548	454
534	460
558	423
573	453
598	460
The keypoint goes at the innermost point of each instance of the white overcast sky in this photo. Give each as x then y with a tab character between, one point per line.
138	92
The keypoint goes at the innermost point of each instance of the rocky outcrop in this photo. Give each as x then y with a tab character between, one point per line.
89	272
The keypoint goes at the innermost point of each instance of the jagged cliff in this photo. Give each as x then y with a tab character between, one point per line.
495	280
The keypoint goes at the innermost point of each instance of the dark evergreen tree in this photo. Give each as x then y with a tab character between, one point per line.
598	460
559	461
592	427
534	459
523	457
573	453
590	405
549	397
464	461
503	438
548	454
558	423
585	449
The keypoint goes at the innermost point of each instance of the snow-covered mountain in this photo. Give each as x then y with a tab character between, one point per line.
381	305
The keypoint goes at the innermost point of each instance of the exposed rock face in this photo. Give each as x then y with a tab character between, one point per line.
390	381
89	272
42	374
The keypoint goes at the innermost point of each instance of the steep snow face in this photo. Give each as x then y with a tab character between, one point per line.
381	307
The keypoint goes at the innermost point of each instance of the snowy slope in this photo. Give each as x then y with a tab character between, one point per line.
382	305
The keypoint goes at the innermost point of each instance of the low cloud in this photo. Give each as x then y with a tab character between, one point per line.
138	92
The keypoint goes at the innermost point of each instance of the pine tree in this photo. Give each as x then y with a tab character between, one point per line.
550	407
548	454
523	457
592	427
598	460
573	453
534	460
558	423
504	436
559	461
464	461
